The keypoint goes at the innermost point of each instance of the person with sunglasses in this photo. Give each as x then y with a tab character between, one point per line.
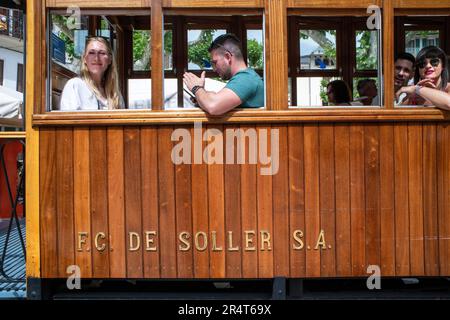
97	87
431	80
245	87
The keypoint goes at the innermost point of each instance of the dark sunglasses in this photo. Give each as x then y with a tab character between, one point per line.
433	61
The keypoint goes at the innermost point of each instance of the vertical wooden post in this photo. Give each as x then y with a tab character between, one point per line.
388	53
157	56
33	94
276	80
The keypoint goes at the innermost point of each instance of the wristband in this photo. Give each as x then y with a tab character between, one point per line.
417	90
195	89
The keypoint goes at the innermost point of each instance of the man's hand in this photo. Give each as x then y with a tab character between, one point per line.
191	80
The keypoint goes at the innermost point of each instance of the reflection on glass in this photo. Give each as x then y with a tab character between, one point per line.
418	39
141	50
317	49
198	44
255	49
104	28
168	45
66	42
366	50
366	91
139	93
312	91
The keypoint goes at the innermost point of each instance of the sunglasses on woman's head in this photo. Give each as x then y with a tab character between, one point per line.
433	61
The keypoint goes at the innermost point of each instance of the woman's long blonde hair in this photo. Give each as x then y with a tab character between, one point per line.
110	79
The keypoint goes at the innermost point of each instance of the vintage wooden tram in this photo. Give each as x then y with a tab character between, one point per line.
355	186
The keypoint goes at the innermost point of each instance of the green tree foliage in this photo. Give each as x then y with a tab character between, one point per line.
198	49
255	54
366	52
141	43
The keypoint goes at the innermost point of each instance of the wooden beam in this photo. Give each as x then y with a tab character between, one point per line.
428	4
97	3
346	4
33	79
276	81
388	53
157	55
213	4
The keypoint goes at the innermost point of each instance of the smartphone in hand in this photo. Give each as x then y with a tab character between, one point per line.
192	97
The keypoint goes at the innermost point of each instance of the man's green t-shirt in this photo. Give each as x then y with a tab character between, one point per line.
249	87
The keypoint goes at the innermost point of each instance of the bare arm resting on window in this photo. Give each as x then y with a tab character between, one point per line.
212	102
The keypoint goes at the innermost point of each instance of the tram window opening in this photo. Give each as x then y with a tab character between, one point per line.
190	39
325	49
129	36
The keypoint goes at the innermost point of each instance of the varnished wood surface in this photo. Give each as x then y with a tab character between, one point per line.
378	192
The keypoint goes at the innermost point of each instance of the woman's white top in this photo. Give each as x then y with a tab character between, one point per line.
77	95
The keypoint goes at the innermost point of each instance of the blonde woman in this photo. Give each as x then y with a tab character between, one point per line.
97	87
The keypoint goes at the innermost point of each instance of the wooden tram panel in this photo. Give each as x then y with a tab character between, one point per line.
379	192
374	184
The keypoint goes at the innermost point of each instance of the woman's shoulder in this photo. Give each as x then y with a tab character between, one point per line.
77	81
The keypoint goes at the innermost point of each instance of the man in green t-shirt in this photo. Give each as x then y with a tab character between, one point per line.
245	87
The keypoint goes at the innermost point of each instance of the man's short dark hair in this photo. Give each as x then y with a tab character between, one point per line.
405	56
228	42
363	82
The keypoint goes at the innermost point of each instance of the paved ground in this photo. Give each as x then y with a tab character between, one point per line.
12	286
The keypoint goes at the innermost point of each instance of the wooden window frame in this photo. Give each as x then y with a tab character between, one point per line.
2	70
275	16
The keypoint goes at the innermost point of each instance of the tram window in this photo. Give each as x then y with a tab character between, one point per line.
191	38
327	49
129	36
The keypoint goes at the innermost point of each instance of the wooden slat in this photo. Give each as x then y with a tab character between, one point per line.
443	156
387	213
342	187
416	243
372	192
276	55
265	218
281	236
216	206
401	200
430	200
116	203
157	63
232	187
183	205
357	196
133	205
327	200
312	205
64	199
47	204
333	3
81	197
199	189
99	201
215	4
150	197
296	200
249	213
388	53
167	224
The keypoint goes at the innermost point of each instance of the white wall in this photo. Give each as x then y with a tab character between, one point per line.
10	61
